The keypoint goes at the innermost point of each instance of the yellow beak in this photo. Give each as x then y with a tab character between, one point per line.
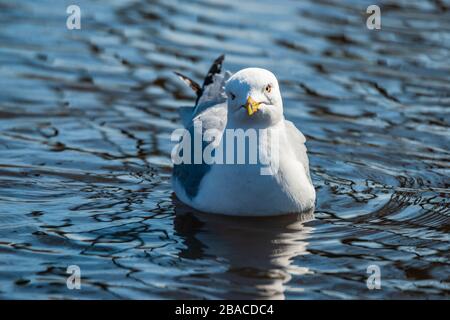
251	106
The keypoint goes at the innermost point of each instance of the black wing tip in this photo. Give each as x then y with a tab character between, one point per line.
220	58
191	83
215	68
179	75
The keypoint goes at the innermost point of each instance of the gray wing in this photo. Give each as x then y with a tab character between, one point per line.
191	174
211	111
212	95
297	140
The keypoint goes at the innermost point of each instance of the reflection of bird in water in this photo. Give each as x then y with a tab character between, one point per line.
256	253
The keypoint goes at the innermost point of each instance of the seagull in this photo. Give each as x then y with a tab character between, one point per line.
248	100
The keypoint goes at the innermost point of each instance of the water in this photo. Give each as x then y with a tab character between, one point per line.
85	123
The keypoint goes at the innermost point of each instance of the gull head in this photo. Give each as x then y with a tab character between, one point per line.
254	98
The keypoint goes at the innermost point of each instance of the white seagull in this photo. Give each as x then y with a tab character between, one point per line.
249	99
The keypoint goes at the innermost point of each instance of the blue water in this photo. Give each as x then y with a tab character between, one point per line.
85	123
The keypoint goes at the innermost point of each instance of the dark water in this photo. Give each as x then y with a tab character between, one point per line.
85	123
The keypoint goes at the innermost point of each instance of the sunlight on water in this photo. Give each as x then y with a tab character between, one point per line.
85	123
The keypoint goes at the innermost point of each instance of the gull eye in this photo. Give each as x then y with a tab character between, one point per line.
232	96
268	88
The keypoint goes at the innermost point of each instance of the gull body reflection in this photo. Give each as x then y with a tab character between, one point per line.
256	253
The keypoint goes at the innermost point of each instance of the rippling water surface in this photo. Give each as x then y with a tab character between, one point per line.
85	123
